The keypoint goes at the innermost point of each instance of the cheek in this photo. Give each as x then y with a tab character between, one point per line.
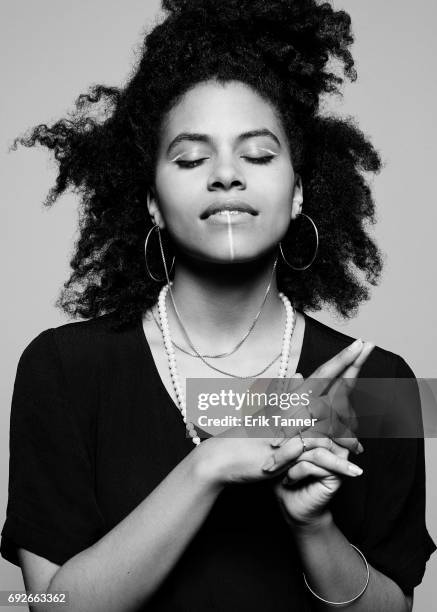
276	180
284	189
174	196
284	182
276	192
279	200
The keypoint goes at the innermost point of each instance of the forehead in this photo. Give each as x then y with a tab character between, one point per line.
221	109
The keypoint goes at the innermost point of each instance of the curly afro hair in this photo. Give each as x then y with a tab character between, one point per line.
292	52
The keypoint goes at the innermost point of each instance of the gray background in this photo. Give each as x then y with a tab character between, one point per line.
52	50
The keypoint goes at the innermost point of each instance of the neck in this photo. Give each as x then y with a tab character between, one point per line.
217	303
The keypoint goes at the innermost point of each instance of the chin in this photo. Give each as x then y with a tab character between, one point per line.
225	257
220	251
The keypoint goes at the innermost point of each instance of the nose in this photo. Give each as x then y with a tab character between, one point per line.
226	174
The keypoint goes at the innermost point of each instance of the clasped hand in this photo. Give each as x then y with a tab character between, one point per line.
305	467
315	474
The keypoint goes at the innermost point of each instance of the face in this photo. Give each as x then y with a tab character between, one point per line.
225	188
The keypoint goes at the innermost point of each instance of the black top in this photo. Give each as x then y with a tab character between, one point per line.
94	430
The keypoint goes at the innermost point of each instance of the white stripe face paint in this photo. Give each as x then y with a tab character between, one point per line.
268	151
230	236
177	157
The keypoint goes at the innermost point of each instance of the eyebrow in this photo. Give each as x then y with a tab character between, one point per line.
195	137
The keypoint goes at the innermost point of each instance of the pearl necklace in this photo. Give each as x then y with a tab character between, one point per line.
174	374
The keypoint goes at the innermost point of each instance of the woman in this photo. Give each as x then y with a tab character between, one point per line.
211	155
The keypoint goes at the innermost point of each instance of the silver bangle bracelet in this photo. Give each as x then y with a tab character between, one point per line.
342	603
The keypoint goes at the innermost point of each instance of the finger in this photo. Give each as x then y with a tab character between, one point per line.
359	361
317	416
334	463
335	366
345	444
334	419
337	449
292	449
287	434
349	376
344	436
347	440
333	428
330	369
343	387
340	390
297	419
344	416
338	396
302	470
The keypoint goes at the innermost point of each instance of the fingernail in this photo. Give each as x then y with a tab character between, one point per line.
356	471
276	442
356	344
269	466
360	448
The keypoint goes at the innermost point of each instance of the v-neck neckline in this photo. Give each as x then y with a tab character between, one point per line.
301	364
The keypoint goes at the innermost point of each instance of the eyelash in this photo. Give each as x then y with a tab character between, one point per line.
253	160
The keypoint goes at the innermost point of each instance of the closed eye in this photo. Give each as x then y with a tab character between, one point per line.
190	164
266	159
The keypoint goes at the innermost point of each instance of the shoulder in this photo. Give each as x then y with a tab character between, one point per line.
84	333
325	342
81	344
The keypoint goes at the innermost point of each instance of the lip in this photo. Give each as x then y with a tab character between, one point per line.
235	218
230	204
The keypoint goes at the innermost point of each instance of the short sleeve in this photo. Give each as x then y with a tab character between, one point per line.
396	541
52	509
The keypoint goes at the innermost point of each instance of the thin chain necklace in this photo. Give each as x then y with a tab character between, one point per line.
246	335
290	323
174	373
158	325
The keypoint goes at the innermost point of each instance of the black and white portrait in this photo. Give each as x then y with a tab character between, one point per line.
204	202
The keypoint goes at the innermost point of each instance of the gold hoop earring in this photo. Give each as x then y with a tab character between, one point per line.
167	272
299	268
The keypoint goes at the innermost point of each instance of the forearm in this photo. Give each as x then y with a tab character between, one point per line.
336	572
123	569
